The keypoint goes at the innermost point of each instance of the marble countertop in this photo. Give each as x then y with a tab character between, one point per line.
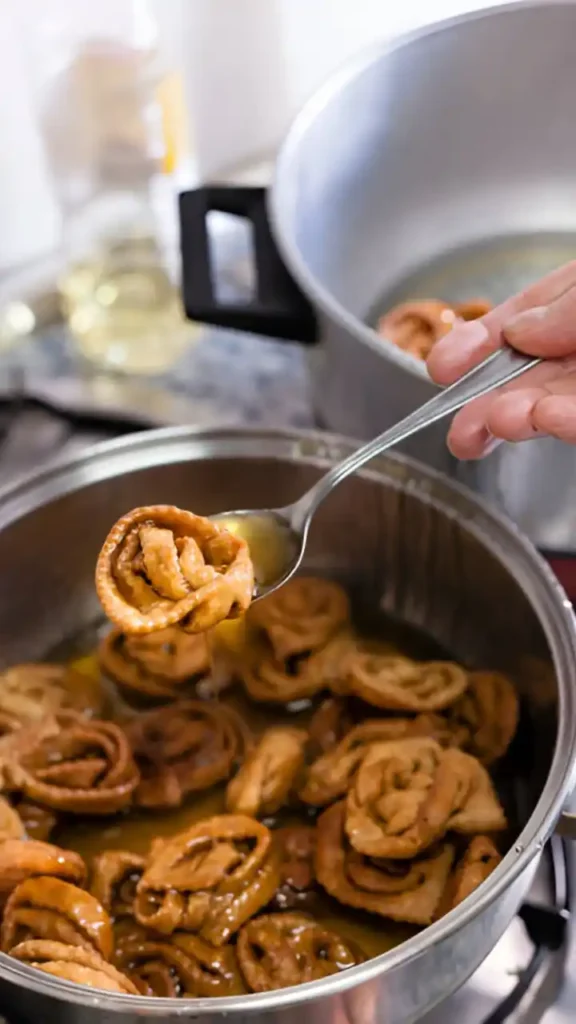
51	403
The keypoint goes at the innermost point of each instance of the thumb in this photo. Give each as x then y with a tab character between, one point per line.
547	331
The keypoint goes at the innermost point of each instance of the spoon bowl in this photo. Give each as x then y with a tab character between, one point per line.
276	548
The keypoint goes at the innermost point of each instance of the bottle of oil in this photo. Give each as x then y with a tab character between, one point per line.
105	135
120	304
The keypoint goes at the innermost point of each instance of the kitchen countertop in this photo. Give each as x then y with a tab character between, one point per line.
51	403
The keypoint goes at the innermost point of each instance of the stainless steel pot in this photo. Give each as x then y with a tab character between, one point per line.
457	138
405	539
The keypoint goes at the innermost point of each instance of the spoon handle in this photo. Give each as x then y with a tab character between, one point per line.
501	367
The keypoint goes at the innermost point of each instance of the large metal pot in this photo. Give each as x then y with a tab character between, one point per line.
456	136
404	538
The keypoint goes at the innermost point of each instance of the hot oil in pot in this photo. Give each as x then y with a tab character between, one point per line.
136	830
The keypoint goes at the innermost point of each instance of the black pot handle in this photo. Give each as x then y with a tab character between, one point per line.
279	309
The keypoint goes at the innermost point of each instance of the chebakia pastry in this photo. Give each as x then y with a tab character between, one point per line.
330	776
485	718
405	890
32	691
265	781
73	963
478	862
278	950
209	880
161	566
225	841
184	748
86	768
409	793
416	326
157	667
302	615
183	967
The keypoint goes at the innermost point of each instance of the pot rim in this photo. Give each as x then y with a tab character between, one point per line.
178	444
320	100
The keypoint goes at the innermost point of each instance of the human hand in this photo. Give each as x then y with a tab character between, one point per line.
540	321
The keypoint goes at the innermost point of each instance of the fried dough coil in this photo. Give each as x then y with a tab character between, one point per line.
161	566
280	950
185	747
485	718
73	963
50	908
157	667
408	891
264	782
302	615
210	879
402	798
87	768
184	966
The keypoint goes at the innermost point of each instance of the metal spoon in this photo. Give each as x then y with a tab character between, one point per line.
277	537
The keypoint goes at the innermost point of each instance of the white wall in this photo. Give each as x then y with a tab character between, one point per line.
247	66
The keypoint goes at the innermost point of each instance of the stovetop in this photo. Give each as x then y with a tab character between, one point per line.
530	976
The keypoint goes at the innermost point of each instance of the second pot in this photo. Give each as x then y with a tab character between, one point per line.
415	169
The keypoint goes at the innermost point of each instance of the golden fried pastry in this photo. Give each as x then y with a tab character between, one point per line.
156	667
184	748
266	779
330	776
403	890
271	681
478	862
87	768
416	326
11	824
210	879
328	725
50	908
9	723
23	742
472	309
297	847
161	566
25	858
279	950
396	683
32	691
184	966
39	822
477	808
115	875
73	963
485	718
302	615
402	798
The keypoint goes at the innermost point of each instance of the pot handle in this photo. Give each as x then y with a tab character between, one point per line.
279	309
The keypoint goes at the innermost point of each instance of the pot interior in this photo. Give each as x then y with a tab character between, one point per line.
426	149
397	547
407	544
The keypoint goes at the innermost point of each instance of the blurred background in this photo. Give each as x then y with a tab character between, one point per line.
109	110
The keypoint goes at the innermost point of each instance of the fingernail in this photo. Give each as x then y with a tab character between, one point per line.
462	340
529	320
491	445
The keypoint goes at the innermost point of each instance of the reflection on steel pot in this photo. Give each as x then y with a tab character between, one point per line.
441	165
402	538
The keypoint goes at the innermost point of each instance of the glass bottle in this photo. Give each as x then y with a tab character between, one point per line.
103	125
